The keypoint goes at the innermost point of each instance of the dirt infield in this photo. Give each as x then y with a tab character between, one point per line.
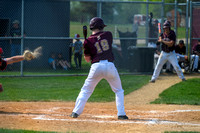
102	118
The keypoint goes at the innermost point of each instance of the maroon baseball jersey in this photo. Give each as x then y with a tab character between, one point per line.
99	46
169	37
3	64
196	47
179	50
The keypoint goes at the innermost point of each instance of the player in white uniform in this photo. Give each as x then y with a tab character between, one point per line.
168	40
98	51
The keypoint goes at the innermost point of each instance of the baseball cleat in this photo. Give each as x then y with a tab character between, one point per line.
1	88
183	79
123	117
74	115
152	81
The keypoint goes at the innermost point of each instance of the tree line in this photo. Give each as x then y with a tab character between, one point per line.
118	13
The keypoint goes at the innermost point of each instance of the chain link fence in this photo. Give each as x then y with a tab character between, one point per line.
53	25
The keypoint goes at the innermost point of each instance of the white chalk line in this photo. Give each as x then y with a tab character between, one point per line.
54	109
146	122
162	111
139	121
150	121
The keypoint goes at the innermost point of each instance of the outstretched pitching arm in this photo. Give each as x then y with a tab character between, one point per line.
28	55
15	59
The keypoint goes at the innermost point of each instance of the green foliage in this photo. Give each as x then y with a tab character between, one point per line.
181	93
81	11
62	88
125	12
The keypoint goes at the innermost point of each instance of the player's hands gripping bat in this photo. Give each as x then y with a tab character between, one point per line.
85	31
159	31
29	55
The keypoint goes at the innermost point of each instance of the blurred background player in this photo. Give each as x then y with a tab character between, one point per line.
153	31
52	61
77	49
195	56
98	51
168	40
180	50
15	43
6	61
62	62
182	58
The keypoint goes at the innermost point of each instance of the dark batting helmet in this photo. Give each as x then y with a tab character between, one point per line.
96	23
167	24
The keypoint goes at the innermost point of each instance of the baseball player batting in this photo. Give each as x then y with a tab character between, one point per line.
28	55
168	40
98	51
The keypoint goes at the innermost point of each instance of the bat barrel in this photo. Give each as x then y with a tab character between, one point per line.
159	28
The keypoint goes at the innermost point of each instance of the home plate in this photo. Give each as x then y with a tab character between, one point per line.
103	116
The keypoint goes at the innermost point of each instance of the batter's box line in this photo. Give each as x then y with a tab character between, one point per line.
136	121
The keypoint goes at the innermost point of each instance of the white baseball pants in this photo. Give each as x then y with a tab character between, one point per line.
163	58
98	71
196	61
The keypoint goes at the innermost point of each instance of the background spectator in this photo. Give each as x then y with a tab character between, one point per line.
77	49
62	63
195	56
52	61
180	50
153	31
15	43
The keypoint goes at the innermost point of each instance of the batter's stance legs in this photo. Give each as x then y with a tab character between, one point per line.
176	66
161	61
84	95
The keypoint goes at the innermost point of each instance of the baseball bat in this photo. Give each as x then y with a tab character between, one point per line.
85	31
159	28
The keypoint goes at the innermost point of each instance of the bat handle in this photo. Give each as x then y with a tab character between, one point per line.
85	31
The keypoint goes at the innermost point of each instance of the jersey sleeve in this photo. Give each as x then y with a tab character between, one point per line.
86	48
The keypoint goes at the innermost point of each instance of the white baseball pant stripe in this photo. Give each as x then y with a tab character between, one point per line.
163	58
98	71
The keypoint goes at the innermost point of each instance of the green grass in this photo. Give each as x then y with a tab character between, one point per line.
181	132
76	27
181	93
181	31
62	88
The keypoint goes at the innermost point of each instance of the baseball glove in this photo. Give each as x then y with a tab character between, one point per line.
28	55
